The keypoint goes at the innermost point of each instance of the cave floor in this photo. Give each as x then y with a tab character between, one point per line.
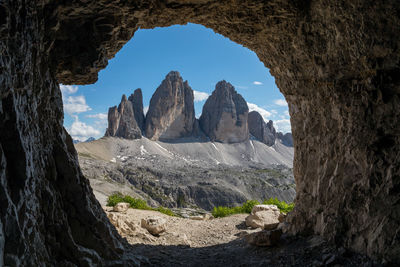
292	251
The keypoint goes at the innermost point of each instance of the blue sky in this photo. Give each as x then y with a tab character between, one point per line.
201	56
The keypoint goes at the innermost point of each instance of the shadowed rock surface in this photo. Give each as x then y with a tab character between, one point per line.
137	104
265	132
286	139
336	62
122	122
224	115
171	111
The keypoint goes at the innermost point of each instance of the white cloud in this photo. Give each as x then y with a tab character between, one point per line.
281	102
199	96
100	116
81	131
264	113
274	111
283	125
68	89
145	109
257	83
286	113
75	105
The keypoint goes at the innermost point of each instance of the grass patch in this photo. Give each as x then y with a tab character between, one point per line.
136	203
221	211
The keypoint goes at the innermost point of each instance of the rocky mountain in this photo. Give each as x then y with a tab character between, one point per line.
224	116
286	139
264	132
188	174
90	139
122	122
171	111
137	104
171	116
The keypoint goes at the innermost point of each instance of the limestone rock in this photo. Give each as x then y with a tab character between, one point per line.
286	139
224	116
121	207
171	111
264	132
263	207
265	219
122	122
264	238
155	225
137	104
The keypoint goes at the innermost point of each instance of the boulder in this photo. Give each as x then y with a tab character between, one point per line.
155	225
262	207
171	111
264	216
264	132
121	207
264	238
224	116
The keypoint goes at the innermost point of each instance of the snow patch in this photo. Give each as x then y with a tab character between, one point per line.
143	151
113	160
215	147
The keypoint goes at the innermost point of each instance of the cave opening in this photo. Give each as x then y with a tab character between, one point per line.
188	173
336	62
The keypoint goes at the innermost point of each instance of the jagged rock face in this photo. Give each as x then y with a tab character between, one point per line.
286	139
264	132
171	111
336	62
224	115
137	104
122	122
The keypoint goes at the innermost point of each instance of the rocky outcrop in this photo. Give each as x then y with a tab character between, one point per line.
224	116
137	104
171	111
122	122
264	132
266	217
155	225
286	139
336	62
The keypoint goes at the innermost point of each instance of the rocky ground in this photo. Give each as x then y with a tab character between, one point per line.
222	242
188	174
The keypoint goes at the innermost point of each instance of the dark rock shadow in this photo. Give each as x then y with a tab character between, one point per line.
292	251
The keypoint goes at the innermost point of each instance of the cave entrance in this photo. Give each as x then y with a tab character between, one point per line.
336	62
193	174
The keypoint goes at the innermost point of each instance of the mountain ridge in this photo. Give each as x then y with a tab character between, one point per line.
171	117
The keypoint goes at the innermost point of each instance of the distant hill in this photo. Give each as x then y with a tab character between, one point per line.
90	139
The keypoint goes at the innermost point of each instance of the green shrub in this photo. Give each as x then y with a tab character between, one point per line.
136	203
226	211
222	211
282	205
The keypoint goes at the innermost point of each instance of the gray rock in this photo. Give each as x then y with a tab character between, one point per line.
224	116
264	132
137	104
286	139
171	111
155	225
122	122
264	238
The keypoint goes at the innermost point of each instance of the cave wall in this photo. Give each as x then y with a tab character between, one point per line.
336	62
